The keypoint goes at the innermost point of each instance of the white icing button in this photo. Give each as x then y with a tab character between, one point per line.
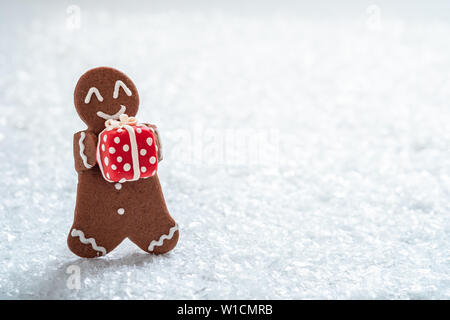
106	161
113	166
119	159
103	147
121	211
122	180
126	167
126	147
118	186
104	138
116	139
149	141
152	160
143	169
143	152
138	130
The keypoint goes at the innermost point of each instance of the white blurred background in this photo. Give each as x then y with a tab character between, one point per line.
306	146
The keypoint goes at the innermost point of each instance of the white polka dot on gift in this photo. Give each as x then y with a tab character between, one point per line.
143	169
149	141
143	152
152	160
126	147
106	161
119	159
112	150
116	139
126	167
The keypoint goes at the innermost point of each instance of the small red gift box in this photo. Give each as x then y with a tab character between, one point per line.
126	151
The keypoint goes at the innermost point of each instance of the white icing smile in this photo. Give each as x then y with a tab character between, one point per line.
112	116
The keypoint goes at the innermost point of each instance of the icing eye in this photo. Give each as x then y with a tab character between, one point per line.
89	95
119	83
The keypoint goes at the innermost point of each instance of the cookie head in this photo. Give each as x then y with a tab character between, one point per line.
104	93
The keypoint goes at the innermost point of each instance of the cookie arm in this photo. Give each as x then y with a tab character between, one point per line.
84	150
158	140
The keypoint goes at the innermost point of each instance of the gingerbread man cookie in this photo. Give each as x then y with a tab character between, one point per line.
118	195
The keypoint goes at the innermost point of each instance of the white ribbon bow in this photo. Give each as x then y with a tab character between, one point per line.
124	119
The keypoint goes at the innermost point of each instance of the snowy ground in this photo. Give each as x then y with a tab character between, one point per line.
304	157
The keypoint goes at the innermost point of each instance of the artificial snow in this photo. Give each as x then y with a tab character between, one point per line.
303	157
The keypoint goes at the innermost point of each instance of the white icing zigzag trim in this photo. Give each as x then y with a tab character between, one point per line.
119	83
82	155
89	95
79	233
168	236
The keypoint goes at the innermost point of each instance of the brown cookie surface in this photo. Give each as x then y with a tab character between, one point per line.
102	93
107	213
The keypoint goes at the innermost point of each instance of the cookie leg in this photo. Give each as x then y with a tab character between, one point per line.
166	241
91	243
156	236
